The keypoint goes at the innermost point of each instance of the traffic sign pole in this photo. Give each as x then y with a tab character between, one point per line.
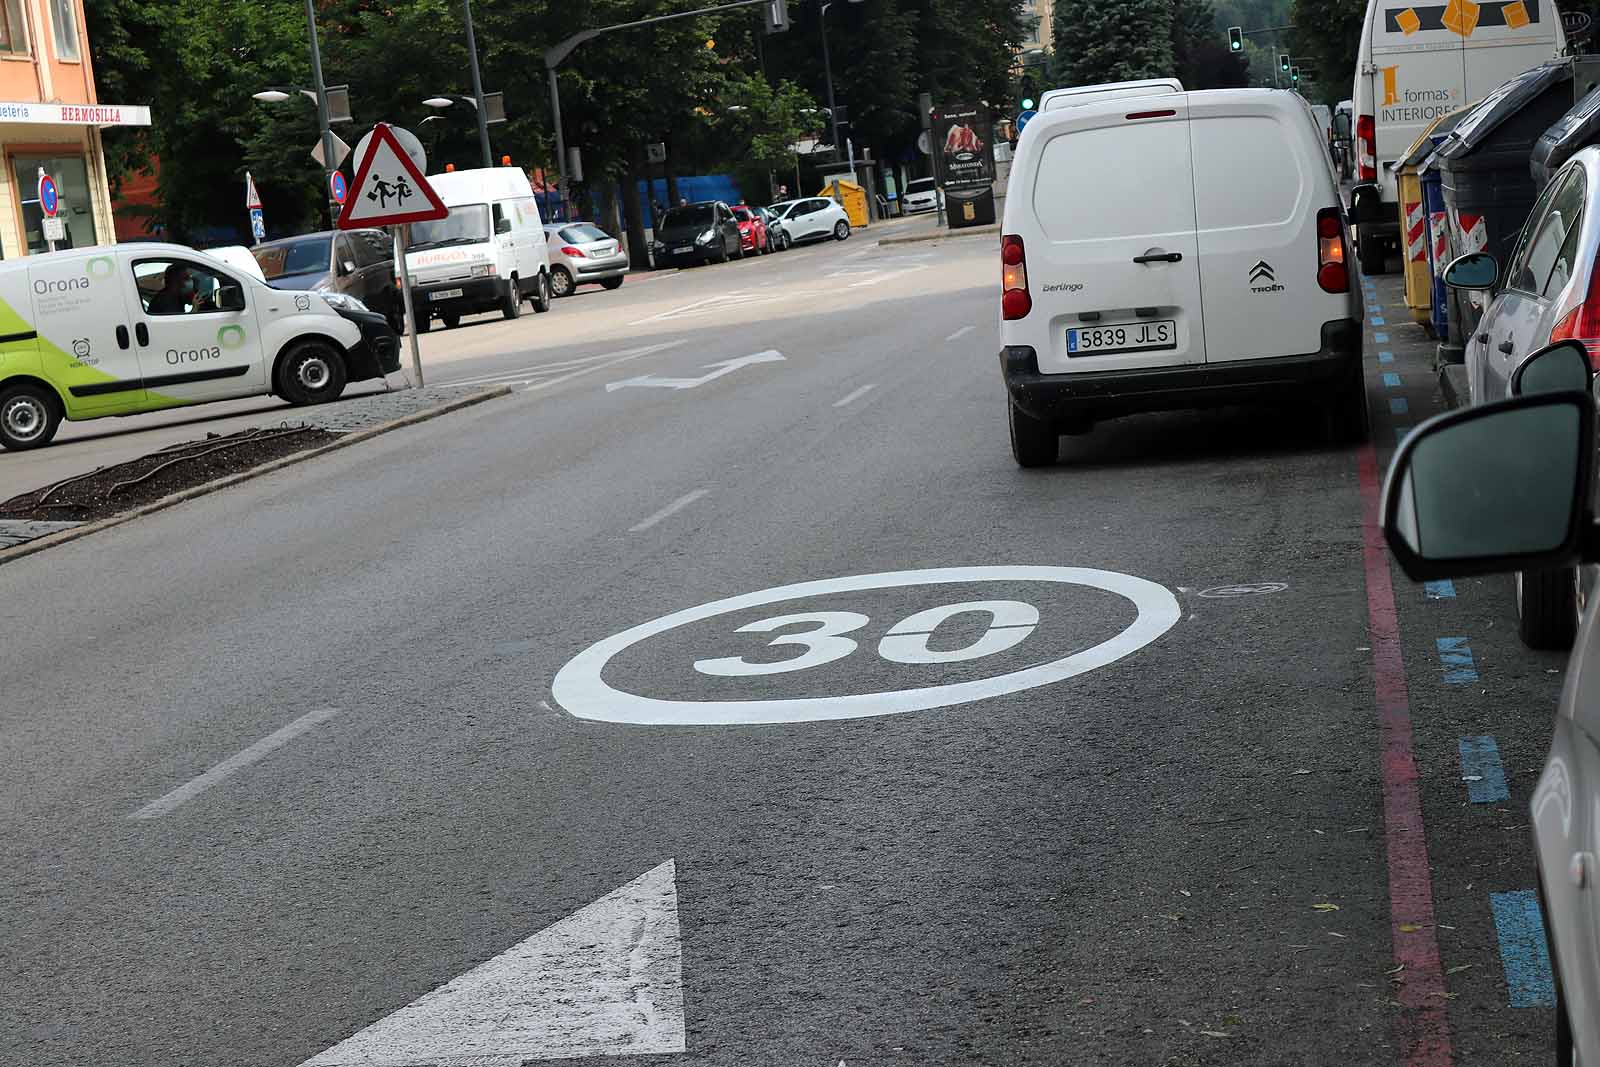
402	237
49	204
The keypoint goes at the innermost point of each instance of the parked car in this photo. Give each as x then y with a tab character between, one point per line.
1178	272
705	232
1548	291
816	218
1411	69
356	263
1509	486
488	254
922	194
581	253
136	327
752	231
777	237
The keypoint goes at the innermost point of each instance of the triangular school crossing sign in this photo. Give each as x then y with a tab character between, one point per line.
388	190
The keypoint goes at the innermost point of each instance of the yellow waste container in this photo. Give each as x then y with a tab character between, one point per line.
851	197
1414	226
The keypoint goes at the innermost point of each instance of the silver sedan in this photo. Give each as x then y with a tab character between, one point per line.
581	253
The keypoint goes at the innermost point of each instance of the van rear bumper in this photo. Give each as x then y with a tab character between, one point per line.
1375	216
1088	397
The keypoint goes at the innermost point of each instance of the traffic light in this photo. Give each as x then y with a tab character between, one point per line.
1235	38
1027	103
775	13
1294	76
1283	62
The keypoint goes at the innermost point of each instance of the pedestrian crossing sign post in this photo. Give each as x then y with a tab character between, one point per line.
389	190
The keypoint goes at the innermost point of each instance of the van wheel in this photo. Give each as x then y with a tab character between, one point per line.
450	321
1346	417
612	283
1033	443
311	372
561	282
424	323
1372	254
541	294
841	230
511	303
29	416
1547	608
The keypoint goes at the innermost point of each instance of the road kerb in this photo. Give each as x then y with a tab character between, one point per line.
28	548
938	236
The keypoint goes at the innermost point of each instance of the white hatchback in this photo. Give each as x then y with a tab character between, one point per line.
815	218
1174	250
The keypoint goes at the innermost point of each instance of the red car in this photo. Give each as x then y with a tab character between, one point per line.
753	236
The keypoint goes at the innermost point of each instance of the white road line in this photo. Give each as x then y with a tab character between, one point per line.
857	395
233	764
540	370
669	511
960	333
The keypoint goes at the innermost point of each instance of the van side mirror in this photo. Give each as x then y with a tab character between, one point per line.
230	298
502	225
1559	368
1476	270
1500	487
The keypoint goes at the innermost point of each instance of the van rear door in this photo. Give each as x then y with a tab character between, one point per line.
1114	254
1507	40
1419	73
1256	182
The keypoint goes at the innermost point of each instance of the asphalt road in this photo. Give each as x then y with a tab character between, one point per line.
287	758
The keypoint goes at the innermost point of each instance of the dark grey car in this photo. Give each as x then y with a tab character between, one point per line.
705	232
358	263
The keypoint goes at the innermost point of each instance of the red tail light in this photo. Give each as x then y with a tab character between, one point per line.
1332	273
1582	323
1366	149
568	250
1015	303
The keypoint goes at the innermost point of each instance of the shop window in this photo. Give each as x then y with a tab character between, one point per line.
64	17
13	28
72	187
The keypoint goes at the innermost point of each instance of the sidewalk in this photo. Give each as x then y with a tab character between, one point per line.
915	228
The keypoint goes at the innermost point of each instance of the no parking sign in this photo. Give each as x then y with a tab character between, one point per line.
49	198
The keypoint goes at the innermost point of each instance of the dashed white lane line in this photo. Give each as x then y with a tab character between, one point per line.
960	333
669	511
854	396
233	765
532	379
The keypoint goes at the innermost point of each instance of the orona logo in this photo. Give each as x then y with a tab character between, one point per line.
231	337
100	267
59	285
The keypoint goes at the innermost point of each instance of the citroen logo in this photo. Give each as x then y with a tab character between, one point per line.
1262	271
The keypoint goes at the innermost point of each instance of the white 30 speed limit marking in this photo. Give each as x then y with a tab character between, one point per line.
580	689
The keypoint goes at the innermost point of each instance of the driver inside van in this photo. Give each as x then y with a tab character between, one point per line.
177	292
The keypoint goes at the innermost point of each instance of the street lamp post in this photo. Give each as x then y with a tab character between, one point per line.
477	85
827	69
479	105
325	131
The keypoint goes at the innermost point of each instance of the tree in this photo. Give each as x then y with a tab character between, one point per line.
1327	38
1112	40
1200	58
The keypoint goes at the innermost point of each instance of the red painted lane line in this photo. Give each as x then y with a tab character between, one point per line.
1423	1029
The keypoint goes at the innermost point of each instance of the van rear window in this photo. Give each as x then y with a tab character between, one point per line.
1115	181
1246	172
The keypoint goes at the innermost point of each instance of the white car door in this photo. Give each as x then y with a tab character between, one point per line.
810	213
191	346
1518	320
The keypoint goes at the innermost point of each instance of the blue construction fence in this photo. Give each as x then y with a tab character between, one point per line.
691	188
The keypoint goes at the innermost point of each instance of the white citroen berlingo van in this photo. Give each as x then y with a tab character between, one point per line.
1173	251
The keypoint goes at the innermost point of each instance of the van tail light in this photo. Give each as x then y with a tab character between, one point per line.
1366	149
1582	323
1332	273
568	250
1015	303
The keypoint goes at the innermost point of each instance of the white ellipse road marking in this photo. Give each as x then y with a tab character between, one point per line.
233	764
580	688
851	398
670	510
605	981
959	334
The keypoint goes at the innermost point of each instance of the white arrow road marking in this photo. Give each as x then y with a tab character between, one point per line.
959	334
584	365
727	366
605	981
852	397
233	764
669	511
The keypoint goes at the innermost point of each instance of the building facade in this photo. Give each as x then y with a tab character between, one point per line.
50	120
1036	25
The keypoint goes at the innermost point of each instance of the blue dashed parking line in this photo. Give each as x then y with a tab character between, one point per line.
1398	405
1385	357
1379	322
1482	770
1524	953
1381	338
1402	432
1456	656
1443	589
1391	380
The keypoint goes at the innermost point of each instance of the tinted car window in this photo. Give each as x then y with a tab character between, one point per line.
583	233
372	248
1517	274
307	255
742	214
685	217
920	185
178	287
1566	260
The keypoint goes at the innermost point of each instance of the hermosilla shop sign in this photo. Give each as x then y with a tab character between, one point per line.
75	114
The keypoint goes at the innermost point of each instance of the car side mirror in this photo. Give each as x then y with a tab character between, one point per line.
1499	487
230	298
1559	368
347	267
502	225
1476	270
